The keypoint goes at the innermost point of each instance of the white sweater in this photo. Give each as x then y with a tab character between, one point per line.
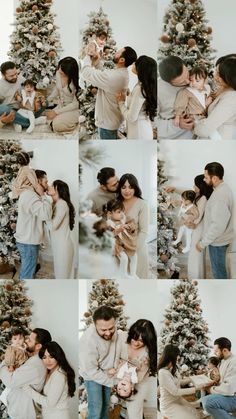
109	83
32	211
227	370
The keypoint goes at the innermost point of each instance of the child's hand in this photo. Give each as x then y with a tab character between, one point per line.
209	100
111	372
176	121
120	97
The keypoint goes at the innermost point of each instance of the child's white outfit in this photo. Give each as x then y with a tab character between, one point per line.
192	102
27	110
126	368
126	244
187	213
26	179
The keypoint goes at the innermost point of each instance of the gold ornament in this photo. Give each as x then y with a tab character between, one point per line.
35	8
52	54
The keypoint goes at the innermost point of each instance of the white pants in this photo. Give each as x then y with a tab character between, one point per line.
127	263
187	232
29	115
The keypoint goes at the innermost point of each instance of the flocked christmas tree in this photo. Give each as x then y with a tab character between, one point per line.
187	34
98	21
8	207
15	313
35	41
166	253
185	327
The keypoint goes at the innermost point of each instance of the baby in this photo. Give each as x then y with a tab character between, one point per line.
213	370
127	378
26	177
30	102
96	46
188	213
194	100
126	234
15	356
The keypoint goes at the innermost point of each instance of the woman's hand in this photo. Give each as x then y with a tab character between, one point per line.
169	189
190	224
51	114
120	97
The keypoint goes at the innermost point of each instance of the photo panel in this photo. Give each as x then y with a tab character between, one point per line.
117	221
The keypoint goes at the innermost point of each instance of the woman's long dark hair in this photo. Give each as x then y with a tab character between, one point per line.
170	354
147	74
145	330
205	190
133	183
70	67
58	354
64	193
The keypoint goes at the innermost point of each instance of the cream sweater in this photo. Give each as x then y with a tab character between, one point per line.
8	91
100	198
109	83
227	385
218	218
170	390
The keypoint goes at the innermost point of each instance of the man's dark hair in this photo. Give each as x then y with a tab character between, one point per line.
189	195
40	173
104	174
170	68
215	169
42	336
223	343
104	313
129	55
8	65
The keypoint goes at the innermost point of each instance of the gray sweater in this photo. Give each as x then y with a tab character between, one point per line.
218	218
100	198
227	370
8	91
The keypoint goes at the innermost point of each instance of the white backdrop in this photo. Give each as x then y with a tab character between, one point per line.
55	309
221	18
187	159
218	306
136	307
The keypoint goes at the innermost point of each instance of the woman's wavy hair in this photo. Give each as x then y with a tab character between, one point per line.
133	183
146	68
145	330
70	67
58	354
64	193
169	355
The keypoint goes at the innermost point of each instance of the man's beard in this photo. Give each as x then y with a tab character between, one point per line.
12	81
115	60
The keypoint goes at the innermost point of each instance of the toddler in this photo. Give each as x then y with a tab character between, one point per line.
96	46
188	213
213	370
30	102
126	234
26	177
127	378
194	100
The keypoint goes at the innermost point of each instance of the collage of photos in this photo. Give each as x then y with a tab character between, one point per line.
117	257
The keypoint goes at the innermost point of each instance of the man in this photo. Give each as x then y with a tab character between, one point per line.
173	76
218	230
108	116
33	210
97	350
32	372
106	191
222	398
9	85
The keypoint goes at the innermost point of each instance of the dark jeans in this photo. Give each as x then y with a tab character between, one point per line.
19	119
29	257
98	400
219	406
107	134
218	261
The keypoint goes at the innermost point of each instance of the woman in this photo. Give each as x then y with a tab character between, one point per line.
196	260
63	220
172	404
222	111
65	115
136	208
59	386
139	347
142	103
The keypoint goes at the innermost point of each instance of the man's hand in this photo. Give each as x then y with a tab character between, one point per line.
120	97
7	119
186	123
199	247
50	114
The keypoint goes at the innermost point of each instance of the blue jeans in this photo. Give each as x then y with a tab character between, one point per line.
98	400
218	261
19	119
107	134
218	406
29	257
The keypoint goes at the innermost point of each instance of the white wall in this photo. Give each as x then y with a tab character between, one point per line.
218	306
136	307
187	159
133	22
6	28
55	308
221	18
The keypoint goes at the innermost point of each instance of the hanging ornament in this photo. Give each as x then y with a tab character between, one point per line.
186	320
39	45
35	30
179	27
82	119
94	91
192	342
195	282
191	42
46	80
192	1
35	8
19	10
164	258
209	30
5	325
17	47
165	38
184	368
190	297
50	26
52	54
87	314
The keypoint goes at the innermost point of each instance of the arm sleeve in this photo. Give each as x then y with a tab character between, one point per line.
24	375
219	219
201	209
54	94
143	221
59	216
228	386
223	111
89	363
181	102
56	390
131	114
41	208
32	178
166	381
73	106
98	78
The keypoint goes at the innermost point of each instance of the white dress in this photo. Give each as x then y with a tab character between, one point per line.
172	404
139	126
196	260
55	399
62	245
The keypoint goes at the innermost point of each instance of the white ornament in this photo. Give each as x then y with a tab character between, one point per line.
184	368
186	321
82	119
179	27
94	304
190	297
39	45
50	26
46	80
